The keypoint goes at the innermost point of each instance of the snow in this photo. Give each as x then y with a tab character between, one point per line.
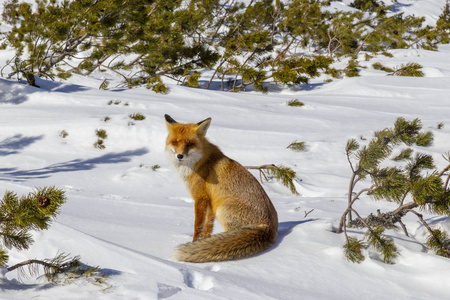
127	218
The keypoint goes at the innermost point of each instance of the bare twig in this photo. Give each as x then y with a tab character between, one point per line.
261	168
30	262
404	228
307	213
350	204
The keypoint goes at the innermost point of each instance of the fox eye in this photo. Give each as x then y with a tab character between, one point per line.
189	144
174	143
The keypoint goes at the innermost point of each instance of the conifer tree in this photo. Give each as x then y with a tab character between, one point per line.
442	31
57	38
370	5
409	186
246	43
35	211
18	216
54	32
445	15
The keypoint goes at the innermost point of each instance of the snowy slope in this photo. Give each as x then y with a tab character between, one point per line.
126	218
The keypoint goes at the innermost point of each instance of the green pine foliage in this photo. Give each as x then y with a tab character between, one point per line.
383	244
192	79
439	242
104	85
245	43
137	116
425	139
415	178
445	15
156	84
33	212
297	146
64	270
281	173
295	102
101	136
410	69
20	215
353	250
405	154
352	68
63	133
101	133
286	175
379	66
370	5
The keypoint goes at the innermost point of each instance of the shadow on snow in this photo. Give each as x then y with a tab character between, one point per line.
18	92
285	228
71	166
17	142
17	285
14	92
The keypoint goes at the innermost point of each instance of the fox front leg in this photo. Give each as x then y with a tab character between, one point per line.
200	215
209	223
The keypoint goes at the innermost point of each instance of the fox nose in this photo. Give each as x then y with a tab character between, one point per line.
180	156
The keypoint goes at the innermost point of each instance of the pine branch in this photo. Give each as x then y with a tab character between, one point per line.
281	173
3	257
62	263
396	184
32	212
353	250
379	242
30	262
438	240
352	200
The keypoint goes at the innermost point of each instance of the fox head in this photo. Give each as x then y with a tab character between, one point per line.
185	142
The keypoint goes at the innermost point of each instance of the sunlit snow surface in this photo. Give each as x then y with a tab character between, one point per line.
126	218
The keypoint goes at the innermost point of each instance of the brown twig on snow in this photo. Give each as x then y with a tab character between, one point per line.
261	168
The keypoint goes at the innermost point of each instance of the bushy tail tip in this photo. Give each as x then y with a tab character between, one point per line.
230	245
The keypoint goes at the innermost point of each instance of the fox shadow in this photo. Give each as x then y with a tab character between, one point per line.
285	228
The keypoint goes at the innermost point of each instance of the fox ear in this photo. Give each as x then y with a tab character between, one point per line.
203	127
169	121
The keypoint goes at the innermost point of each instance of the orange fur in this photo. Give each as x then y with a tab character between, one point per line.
221	188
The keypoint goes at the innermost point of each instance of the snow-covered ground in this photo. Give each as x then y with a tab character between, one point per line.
127	218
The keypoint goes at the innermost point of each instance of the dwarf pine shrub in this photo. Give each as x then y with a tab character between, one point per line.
102	135
281	173
247	43
137	116
414	184
20	215
295	102
410	69
297	146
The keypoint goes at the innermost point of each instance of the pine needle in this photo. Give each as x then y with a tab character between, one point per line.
286	176
353	250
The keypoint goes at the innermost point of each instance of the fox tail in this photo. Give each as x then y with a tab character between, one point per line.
229	245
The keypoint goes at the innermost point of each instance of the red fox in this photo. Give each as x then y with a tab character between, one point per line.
221	188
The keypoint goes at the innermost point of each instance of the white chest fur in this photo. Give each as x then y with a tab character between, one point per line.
184	167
